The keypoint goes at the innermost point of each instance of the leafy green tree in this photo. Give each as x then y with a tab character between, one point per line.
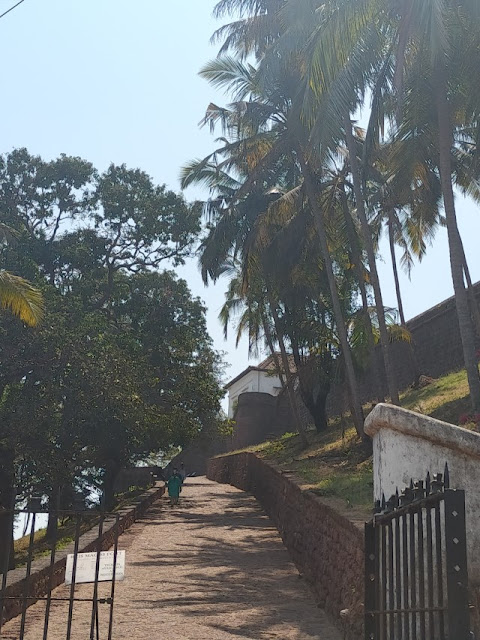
122	365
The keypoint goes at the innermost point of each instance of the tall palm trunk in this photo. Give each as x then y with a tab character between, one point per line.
288	375
391	240
411	347
471	294
445	141
273	352
359	273
368	241
357	410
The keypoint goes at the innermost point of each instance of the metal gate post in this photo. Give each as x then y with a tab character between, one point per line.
370	581
456	565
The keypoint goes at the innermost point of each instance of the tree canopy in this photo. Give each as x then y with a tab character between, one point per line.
122	365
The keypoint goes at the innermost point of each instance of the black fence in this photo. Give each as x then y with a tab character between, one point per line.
57	593
416	580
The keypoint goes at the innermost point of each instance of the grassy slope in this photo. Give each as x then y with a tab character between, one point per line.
336	467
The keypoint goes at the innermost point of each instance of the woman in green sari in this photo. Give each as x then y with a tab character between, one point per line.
174	486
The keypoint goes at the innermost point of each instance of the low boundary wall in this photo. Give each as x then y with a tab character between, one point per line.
327	549
39	579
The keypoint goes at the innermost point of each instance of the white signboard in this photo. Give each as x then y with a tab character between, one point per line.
86	565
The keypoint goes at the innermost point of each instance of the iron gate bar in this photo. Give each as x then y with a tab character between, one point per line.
27	577
390	576
411	507
94	617
406	617
74	575
398	585
413	575
439	556
44	598
421	576
50	584
430	579
114	573
394	611
383	619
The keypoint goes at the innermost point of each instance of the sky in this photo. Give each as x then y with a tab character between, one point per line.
117	81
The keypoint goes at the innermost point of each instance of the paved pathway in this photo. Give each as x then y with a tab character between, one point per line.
212	568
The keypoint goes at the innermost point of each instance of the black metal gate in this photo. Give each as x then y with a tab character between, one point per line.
416	580
39	581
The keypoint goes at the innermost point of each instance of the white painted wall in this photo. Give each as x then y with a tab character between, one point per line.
408	445
253	381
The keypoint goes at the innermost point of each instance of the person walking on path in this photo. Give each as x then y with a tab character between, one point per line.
174	486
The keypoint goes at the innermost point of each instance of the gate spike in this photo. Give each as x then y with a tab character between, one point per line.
428	484
446	477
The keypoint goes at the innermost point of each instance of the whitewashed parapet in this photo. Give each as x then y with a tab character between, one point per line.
407	445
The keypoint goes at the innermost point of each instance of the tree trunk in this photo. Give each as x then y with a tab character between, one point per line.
111	471
357	411
411	349
471	293
288	376
7	503
317	406
445	142
391	240
358	266
368	241
269	340
53	508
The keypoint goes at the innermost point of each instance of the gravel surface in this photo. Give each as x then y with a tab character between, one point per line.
212	568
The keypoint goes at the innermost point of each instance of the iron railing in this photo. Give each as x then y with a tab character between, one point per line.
416	580
88	531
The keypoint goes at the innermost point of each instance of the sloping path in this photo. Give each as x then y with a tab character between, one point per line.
212	568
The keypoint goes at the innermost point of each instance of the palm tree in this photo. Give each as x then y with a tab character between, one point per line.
434	63
16	294
258	309
404	200
353	45
268	132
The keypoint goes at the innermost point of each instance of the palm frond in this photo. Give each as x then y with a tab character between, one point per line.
21	298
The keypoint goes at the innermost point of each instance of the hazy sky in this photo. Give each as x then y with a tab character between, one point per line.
116	81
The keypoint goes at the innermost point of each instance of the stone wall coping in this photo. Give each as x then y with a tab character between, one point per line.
388	416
